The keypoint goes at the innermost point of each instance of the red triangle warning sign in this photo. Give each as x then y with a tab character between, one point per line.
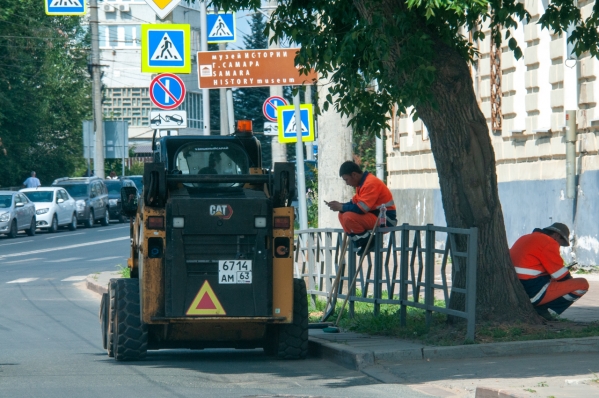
206	303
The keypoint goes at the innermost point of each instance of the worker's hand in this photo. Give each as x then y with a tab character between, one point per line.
334	205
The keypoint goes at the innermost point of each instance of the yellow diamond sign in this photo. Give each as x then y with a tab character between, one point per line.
163	7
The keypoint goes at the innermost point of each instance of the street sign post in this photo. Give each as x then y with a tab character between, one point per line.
163	7
271	129
261	68
250	68
269	108
168	119
288	126
221	27
65	7
167	91
165	48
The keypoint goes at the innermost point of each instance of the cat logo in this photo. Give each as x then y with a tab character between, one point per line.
224	212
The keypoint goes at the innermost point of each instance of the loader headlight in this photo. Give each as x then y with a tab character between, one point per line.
260	222
178	222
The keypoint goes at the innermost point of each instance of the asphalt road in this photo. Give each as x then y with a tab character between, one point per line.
50	336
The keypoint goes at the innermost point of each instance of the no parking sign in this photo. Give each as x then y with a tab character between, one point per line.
167	91
270	107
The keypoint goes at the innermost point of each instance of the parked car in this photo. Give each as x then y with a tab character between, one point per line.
114	197
17	213
138	180
91	198
54	208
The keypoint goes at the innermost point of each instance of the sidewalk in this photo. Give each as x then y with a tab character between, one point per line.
376	356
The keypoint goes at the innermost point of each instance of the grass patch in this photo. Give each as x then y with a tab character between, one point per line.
440	332
124	271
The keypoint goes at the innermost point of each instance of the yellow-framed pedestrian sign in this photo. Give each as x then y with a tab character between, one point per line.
165	48
65	7
287	126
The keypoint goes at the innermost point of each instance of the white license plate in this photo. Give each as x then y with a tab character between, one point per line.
234	271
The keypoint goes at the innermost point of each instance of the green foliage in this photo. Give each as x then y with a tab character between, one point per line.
124	271
44	92
440	332
312	210
393	43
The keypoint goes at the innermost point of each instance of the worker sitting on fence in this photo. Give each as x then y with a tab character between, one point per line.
359	216
541	270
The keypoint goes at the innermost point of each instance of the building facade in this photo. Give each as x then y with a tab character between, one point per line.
125	87
530	145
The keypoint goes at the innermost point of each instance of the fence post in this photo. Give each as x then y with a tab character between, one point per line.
378	270
313	272
328	262
403	273
351	271
471	283
429	272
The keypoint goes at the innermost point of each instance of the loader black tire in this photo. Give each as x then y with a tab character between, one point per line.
110	317
130	339
290	341
104	318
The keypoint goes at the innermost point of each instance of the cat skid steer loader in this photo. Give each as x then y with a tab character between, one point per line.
211	254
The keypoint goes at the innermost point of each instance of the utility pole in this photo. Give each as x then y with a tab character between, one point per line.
224	120
279	151
309	144
97	89
571	108
204	47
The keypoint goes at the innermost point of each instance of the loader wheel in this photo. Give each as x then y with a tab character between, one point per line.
130	334
104	318
110	317
290	341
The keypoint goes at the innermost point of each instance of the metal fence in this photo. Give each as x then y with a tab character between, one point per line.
401	270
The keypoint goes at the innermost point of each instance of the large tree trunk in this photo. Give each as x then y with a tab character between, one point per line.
465	162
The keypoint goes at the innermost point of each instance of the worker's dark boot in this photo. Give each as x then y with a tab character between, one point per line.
361	244
544	313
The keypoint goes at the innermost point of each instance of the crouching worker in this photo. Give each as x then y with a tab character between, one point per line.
541	270
359	216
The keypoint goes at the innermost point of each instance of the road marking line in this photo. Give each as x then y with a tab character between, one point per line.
69	235
64	260
23	261
63	247
16	243
74	278
106	258
111	229
23	280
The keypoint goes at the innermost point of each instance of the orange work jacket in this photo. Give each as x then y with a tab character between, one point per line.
536	255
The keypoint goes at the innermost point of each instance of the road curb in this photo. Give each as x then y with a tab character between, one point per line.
486	392
341	354
93	285
98	282
357	358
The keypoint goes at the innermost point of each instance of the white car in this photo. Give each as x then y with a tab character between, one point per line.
54	207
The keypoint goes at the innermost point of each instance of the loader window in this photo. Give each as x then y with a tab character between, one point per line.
216	159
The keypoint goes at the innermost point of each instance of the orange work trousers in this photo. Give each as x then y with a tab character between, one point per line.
574	288
354	223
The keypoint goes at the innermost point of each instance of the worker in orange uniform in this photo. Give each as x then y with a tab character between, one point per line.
359	216
541	270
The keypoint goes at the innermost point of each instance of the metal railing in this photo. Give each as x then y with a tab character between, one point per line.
403	266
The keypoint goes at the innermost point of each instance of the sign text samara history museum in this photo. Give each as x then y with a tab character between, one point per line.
250	68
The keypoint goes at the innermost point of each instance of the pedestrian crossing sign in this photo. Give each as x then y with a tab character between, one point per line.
287	124
165	48
221	27
65	7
